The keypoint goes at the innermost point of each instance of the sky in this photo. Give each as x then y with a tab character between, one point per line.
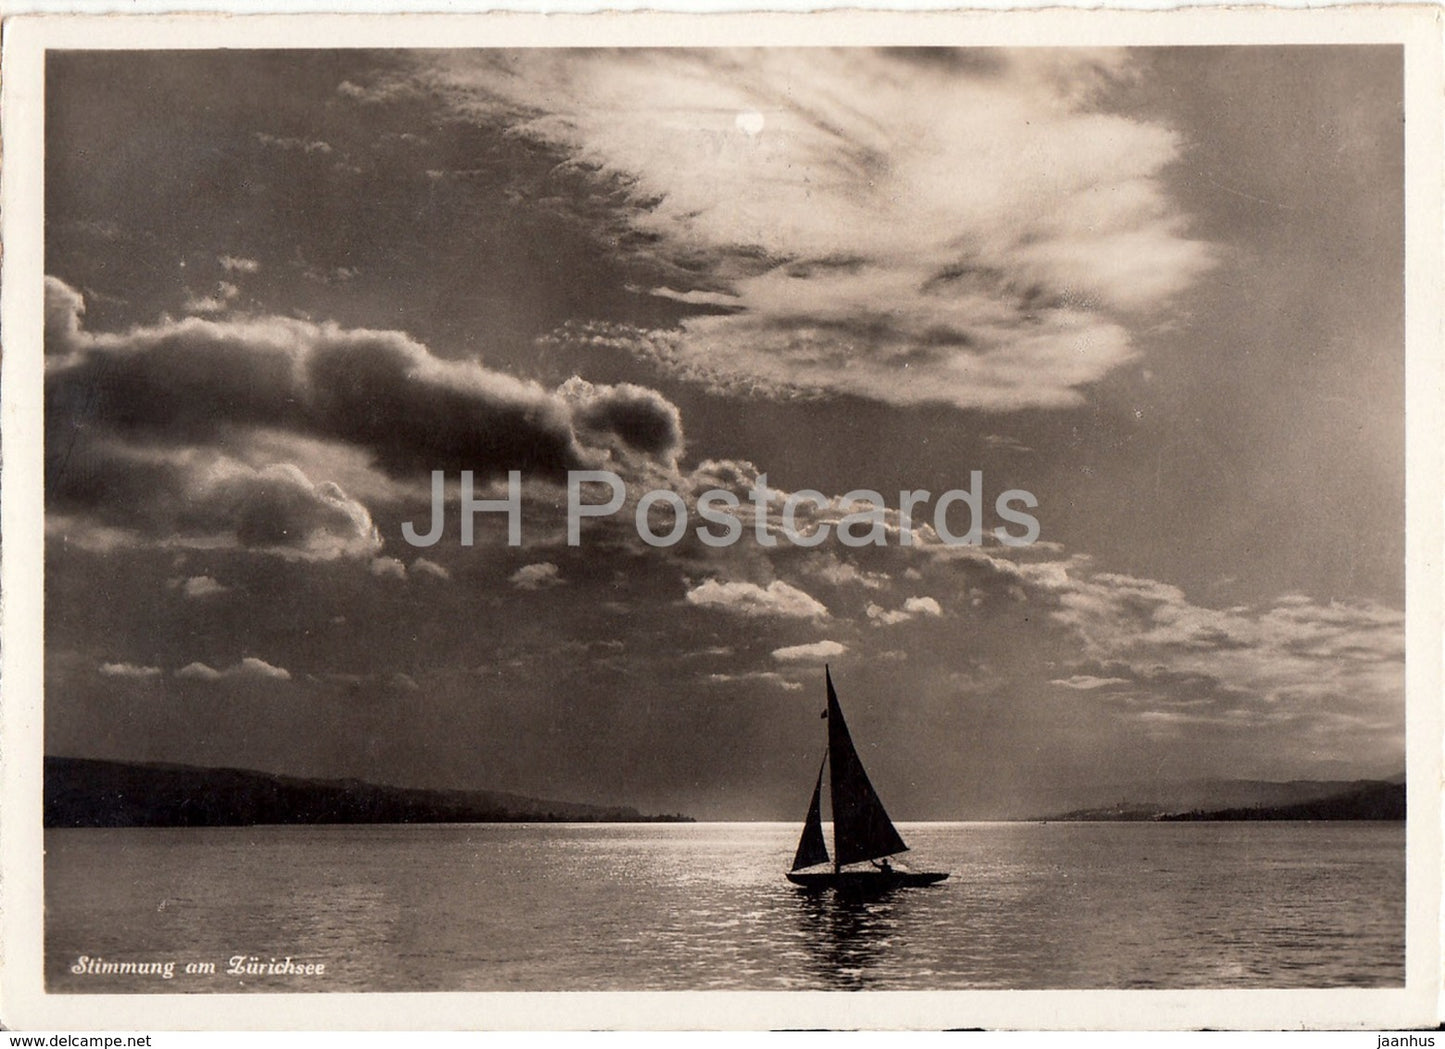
1158	290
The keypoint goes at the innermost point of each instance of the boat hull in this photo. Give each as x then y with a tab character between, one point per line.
861	882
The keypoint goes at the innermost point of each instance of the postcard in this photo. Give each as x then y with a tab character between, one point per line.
697	521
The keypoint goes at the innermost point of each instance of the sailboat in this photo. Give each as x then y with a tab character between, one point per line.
862	831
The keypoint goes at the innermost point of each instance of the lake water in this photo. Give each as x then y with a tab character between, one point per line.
705	906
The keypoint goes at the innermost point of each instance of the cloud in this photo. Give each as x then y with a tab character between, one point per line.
831	569
697	298
1087	683
202	586
161	432
978	232
1329	673
252	667
811	653
625	417
238	264
540	576
196	380
387	568
879	614
422	568
771	677
289	142
64	310
199	380
129	670
219	299
248	669
711	652
749	599
862	517
333	275
1006	442
199	672
198	499
922	606
912	607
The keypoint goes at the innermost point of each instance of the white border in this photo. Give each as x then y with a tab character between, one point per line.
23	1002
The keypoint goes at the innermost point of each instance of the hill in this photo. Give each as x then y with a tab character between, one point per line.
1202	797
82	792
1373	801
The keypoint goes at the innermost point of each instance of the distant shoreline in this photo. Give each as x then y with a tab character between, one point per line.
86	792
1363	800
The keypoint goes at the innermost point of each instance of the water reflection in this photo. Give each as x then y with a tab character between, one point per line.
847	936
507	907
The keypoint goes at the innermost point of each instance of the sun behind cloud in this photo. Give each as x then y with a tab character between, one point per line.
975	229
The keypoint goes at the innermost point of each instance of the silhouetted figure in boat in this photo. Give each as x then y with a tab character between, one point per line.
885	866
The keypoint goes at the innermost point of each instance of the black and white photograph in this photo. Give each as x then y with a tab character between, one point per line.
660	515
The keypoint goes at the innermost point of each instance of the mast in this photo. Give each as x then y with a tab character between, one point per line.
861	827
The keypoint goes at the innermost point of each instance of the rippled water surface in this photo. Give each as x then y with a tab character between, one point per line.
705	906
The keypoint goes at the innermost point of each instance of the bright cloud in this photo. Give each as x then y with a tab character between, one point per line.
201	586
749	599
923	606
830	569
538	576
1333	673
975	231
424	568
912	607
1087	683
812	653
1330	674
879	614
250	668
387	568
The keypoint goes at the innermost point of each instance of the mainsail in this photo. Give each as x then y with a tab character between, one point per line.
811	846
861	827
